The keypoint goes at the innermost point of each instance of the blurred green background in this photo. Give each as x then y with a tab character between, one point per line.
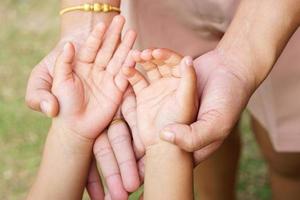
28	30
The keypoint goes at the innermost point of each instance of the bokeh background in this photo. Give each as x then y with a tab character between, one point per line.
28	30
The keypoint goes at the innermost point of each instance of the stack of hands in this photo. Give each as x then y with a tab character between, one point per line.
95	109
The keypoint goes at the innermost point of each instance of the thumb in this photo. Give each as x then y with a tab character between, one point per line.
63	67
187	90
196	136
38	96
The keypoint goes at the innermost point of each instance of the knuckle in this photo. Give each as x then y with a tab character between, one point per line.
103	151
30	101
120	139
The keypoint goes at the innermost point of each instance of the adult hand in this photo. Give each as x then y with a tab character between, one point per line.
224	88
38	94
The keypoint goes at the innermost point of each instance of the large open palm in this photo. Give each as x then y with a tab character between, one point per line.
89	94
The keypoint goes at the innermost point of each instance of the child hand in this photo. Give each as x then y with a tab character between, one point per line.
168	96
89	85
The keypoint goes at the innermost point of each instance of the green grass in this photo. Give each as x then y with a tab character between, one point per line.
28	30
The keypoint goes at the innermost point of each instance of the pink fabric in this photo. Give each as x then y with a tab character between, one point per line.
193	27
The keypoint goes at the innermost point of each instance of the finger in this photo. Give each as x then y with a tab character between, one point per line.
135	78
205	152
107	197
128	108
147	63
38	93
120	79
63	67
121	53
198	135
166	60
94	185
105	158
90	49
187	90
120	141
110	43
141	167
169	57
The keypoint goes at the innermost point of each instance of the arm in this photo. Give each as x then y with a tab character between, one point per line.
86	109
169	173
64	167
78	21
258	34
229	75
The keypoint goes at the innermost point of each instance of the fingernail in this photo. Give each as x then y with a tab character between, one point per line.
168	136
66	46
45	107
188	61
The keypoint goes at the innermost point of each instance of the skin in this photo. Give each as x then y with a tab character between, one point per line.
75	27
228	75
83	86
246	54
167	96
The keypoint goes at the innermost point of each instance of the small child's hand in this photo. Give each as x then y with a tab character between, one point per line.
168	96
89	85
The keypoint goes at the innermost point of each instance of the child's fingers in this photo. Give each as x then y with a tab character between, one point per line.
167	56
186	92
166	60
149	66
122	52
112	38
109	167
135	78
120	79
90	49
63	67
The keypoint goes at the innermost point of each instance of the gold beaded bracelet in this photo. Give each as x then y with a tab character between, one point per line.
95	7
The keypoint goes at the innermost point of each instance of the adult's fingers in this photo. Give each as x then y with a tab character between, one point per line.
94	185
120	140
205	152
38	94
141	166
106	160
128	109
198	135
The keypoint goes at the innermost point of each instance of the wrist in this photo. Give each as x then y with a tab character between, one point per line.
164	150
71	141
78	22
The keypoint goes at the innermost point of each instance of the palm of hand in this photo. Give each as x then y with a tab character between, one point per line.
89	100
157	106
224	92
167	97
89	88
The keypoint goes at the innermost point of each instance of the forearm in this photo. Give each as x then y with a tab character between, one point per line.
168	173
258	34
76	22
64	167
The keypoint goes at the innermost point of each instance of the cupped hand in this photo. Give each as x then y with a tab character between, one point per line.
167	96
224	88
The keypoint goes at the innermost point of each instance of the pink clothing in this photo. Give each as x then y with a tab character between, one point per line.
193	27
